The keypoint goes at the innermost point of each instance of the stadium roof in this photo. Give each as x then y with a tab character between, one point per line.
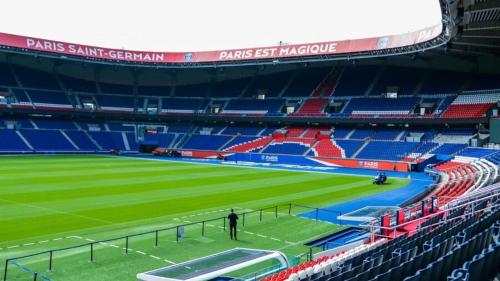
197	25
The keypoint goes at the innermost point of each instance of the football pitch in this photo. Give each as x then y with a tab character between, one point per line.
54	202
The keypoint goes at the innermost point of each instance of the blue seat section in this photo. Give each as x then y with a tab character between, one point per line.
53	97
405	78
404	104
214	130
268	131
116	89
21	123
387	150
355	80
184	104
232	88
132	142
31	78
10	141
195	90
54	124
162	140
255	105
476	152
449	148
47	140
179	128
115	101
21	95
82	140
154	90
468	132
286	148
361	133
206	142
271	84
443	82
239	139
425	147
341	133
305	82
386	134
495	158
349	146
6	77
120	127
109	140
484	82
78	85
246	131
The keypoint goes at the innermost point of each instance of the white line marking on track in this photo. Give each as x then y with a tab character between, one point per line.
155	257
12	247
139	252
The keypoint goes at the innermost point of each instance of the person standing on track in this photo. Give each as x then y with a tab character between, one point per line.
233	221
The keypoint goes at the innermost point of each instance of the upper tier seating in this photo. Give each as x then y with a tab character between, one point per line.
107	88
471	106
154	90
387	150
78	85
231	88
443	82
119	103
195	90
311	107
381	106
405	78
254	106
47	140
49	98
355	80
10	141
31	78
179	105
6	76
272	84
206	142
305	82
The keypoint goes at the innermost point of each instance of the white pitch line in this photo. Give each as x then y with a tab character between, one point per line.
248	232
155	257
139	252
275	239
12	247
43	241
28	244
260	235
170	262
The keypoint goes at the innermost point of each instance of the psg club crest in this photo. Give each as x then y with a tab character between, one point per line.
382	42
188	57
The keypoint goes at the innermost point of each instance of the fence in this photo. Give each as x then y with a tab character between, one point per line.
158	234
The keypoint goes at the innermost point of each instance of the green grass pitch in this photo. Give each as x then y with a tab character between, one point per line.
49	202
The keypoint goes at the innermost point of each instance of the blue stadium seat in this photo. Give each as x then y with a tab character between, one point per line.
206	142
47	140
11	141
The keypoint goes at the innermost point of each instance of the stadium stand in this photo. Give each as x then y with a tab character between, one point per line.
311	107
206	142
470	106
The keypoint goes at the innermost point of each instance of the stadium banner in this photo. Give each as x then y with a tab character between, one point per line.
299	160
273	52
